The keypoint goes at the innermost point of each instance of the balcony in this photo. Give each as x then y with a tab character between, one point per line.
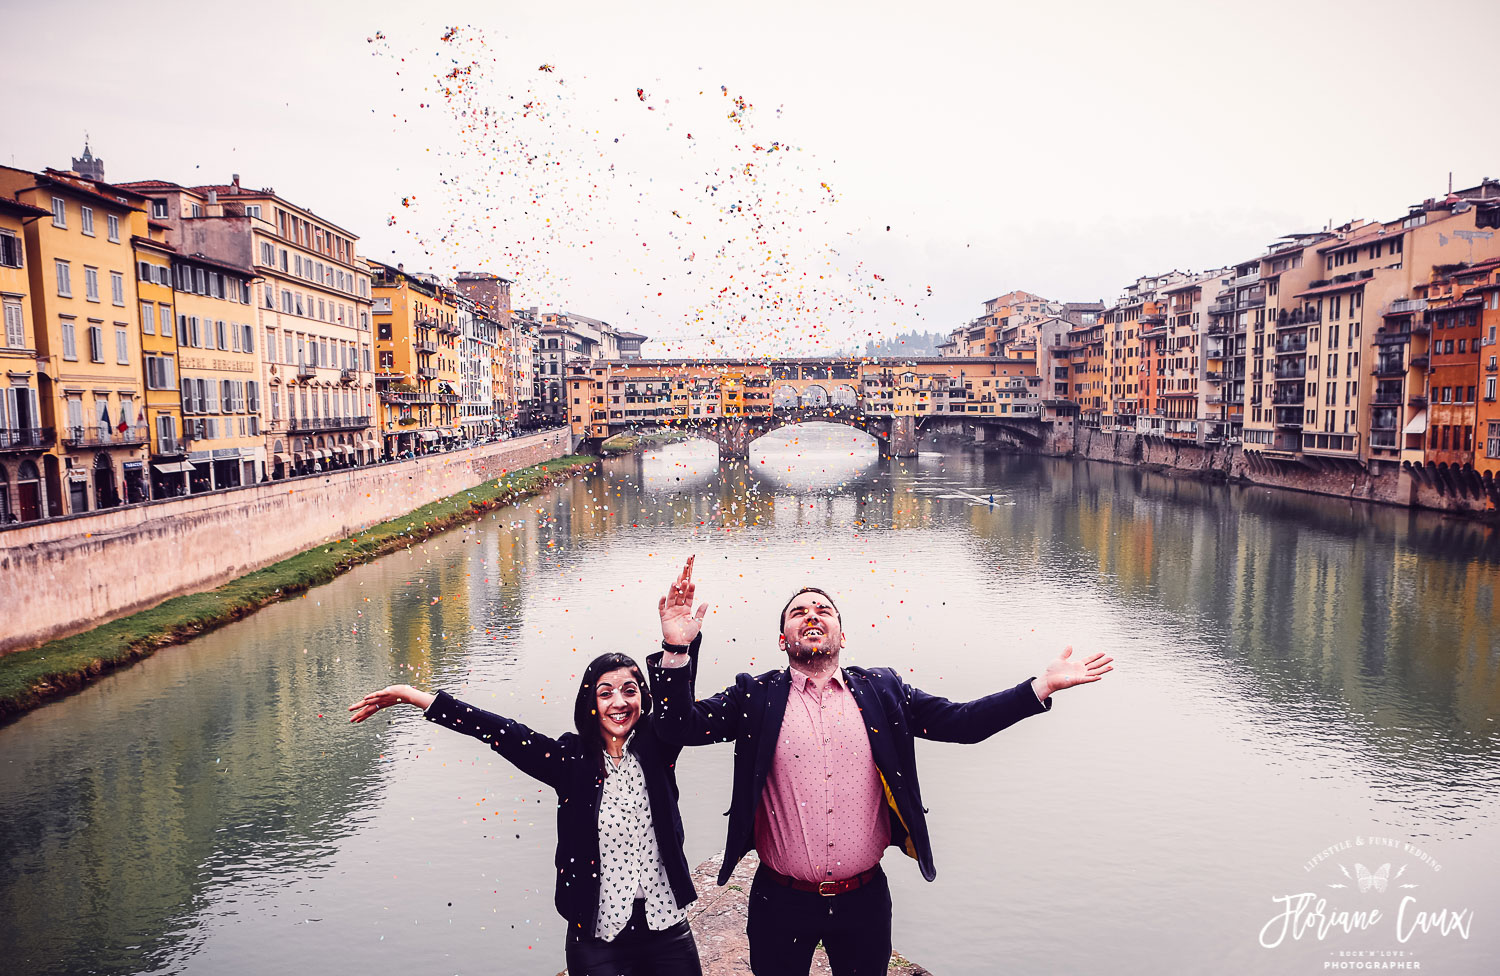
1419	362
425	346
302	424
1417	400
1390	367
1291	370
405	396
347	376
1383	439
27	438
426	374
1299	317
1405	306
306	372
1389	398
1220	308
1214	375
449	329
1291	344
104	437
1289	417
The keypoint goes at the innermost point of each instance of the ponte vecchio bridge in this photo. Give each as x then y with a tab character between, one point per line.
734	401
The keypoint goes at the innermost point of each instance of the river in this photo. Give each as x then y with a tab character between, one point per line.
1306	691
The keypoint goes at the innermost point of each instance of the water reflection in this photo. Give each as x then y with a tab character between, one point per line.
815	457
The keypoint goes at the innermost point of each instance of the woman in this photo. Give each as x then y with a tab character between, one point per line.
616	808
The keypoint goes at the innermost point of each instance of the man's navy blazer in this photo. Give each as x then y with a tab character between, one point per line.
895	714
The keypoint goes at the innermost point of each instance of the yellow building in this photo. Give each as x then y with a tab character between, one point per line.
85	313
163	405
219	362
311	309
417	336
23	438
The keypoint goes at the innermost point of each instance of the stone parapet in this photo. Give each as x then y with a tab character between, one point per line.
64	576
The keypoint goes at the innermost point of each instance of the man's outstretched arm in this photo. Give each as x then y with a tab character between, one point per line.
680	718
974	721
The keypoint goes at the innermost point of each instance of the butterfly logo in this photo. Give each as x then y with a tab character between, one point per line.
1378	880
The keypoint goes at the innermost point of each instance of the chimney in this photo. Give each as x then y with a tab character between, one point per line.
235	181
213	196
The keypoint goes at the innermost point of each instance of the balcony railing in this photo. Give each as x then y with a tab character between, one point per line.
427	347
327	423
1291	344
1405	306
1390	367
1383	439
347	376
1293	370
27	438
104	437
1220	308
426	374
306	372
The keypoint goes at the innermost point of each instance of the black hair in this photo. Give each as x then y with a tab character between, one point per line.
586	708
781	622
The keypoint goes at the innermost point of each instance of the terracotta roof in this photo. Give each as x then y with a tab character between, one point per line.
86	188
1330	288
1382	234
18	209
148	242
150	185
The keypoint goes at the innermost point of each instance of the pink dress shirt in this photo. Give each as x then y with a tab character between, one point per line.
823	814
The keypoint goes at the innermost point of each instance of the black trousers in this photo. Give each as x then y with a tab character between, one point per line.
636	951
786	925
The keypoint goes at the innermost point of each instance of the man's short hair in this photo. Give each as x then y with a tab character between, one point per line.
781	625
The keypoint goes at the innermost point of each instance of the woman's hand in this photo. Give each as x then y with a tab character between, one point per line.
385	697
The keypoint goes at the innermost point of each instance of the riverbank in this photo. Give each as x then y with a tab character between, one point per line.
30	678
626	443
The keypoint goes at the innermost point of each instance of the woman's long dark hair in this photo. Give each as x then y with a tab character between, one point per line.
586	708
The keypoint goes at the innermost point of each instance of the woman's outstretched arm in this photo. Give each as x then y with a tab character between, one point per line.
534	754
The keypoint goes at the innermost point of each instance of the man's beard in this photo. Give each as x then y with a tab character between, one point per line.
813	657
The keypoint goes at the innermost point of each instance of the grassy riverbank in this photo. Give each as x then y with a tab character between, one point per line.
29	678
625	443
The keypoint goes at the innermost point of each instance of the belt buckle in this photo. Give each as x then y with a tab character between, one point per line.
825	889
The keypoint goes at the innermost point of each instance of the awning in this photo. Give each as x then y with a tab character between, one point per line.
1418	424
429	435
321	454
172	467
278	459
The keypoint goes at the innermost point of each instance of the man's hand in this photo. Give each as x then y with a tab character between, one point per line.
1065	673
386	697
679	624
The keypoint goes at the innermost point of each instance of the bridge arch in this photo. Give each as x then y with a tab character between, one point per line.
844	395
813	397
784	398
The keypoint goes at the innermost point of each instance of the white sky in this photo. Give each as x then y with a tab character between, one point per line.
1064	148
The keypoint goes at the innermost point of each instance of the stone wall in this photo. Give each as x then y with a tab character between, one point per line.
64	576
1384	482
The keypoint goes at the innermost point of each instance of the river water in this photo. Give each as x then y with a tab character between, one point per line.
1306	692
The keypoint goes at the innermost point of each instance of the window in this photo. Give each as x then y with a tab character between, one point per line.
96	344
247	344
10	250
70	341
270	344
122	347
64	279
114	228
1489	388
220	335
117	288
196	210
15	330
159	373
86	220
166	320
252	210
91	284
159	208
200	278
148	318
59	212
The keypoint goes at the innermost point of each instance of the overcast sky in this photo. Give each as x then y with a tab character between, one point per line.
1060	148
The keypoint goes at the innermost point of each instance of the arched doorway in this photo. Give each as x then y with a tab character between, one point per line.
105	493
5	513
278	461
28	492
54	495
814	397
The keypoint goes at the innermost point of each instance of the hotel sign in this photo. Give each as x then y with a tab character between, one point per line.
224	365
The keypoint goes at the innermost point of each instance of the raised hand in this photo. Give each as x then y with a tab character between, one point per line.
679	624
1065	672
386	697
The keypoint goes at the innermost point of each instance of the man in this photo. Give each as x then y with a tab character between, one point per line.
825	774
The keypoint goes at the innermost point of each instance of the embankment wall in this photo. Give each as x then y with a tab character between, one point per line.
64	576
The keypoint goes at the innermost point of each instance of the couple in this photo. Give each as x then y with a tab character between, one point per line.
825	779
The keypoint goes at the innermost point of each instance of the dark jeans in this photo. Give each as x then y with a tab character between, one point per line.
636	951
786	925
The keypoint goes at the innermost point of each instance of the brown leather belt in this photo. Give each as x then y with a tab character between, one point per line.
825	888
